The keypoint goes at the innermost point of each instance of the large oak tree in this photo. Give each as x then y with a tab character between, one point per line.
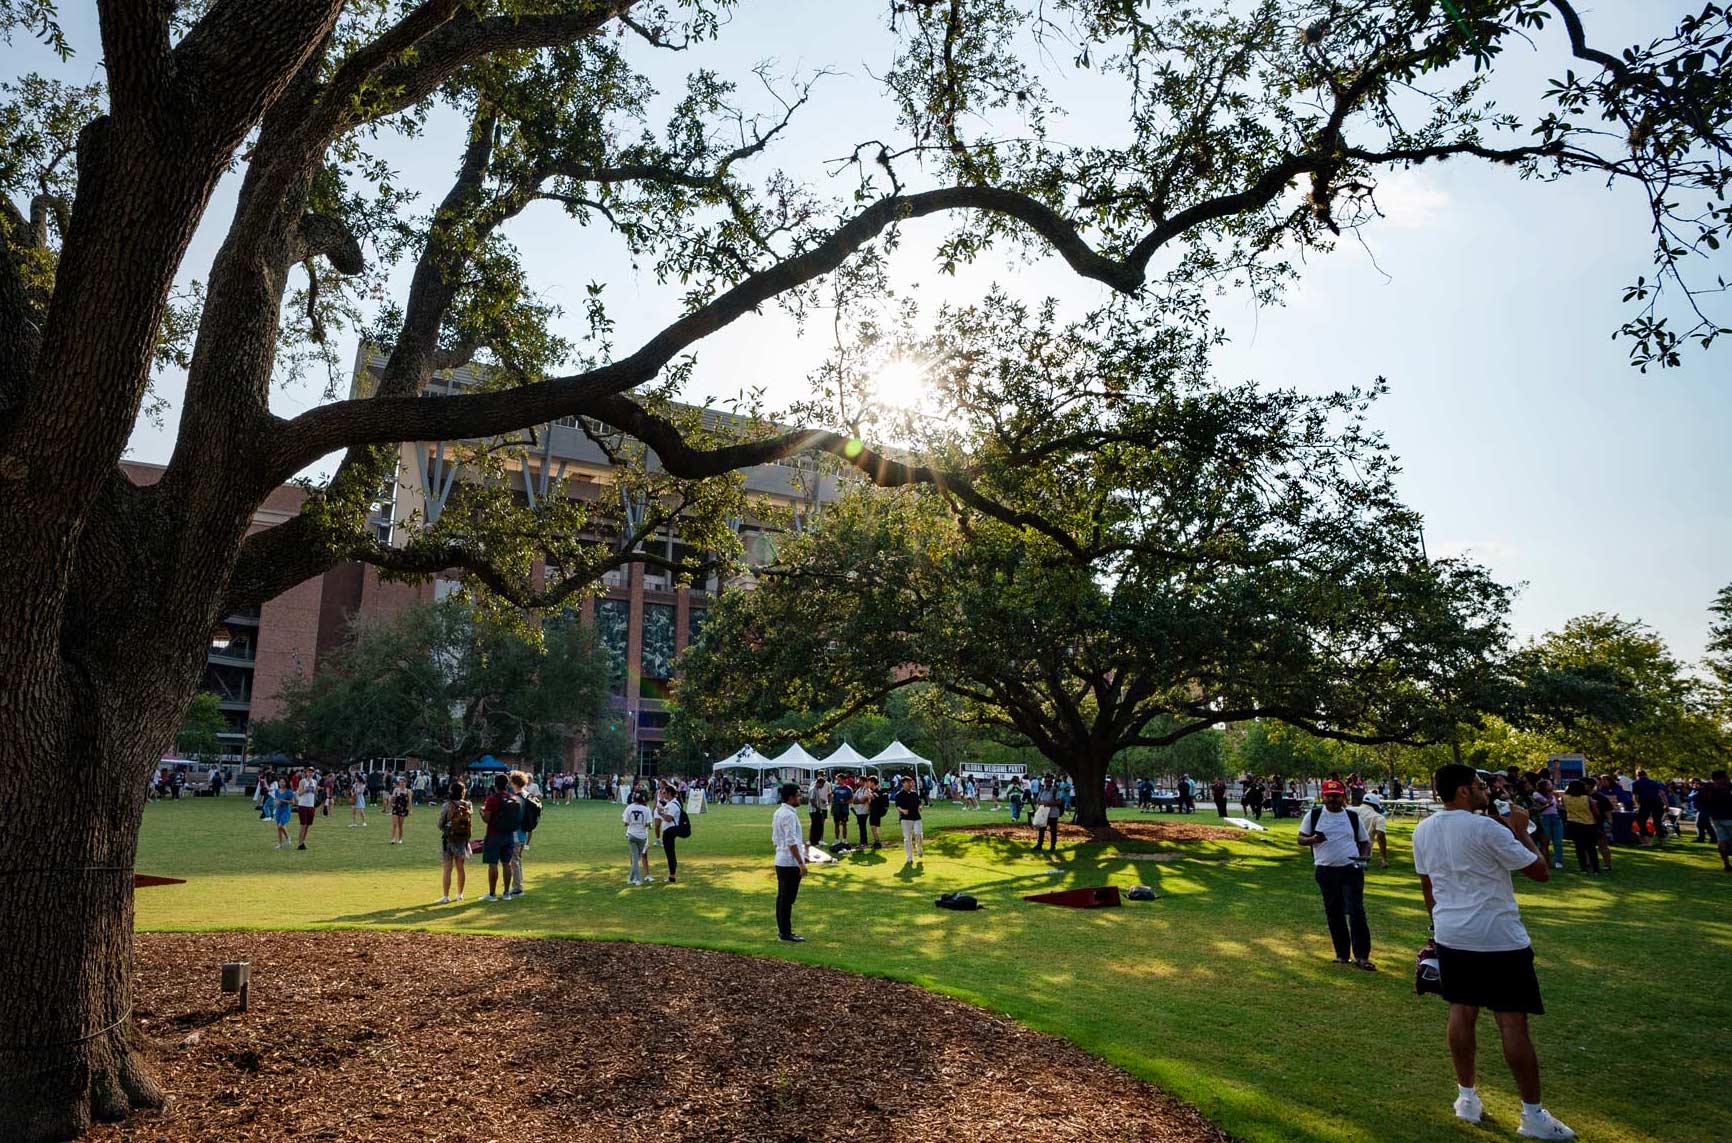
1214	554
1247	133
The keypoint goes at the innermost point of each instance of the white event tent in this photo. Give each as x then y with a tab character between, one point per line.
796	758
846	757
746	758
898	757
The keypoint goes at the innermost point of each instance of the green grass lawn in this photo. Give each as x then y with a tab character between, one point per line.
1222	991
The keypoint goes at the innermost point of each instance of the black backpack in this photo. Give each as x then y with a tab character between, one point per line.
961	902
1359	837
510	813
531	814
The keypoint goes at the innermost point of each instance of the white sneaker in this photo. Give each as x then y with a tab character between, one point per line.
351	825
1542	1124
1468	1108
647	880
443	901
459	897
490	897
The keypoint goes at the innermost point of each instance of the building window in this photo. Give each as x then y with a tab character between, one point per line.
658	641
612	624
695	620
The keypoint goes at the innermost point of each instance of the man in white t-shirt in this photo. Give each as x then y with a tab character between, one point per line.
1338	849
1371	819
306	798
1464	860
790	860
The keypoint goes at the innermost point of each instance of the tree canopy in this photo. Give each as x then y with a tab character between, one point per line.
1214	554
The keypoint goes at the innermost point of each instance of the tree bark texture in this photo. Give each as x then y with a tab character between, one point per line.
1089	771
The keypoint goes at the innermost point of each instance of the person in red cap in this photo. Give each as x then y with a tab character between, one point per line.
1339	848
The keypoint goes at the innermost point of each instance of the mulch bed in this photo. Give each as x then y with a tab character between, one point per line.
420	1038
1131	830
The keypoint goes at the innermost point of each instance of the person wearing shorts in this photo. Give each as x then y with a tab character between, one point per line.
1464	859
400	799
306	797
913	832
876	808
453	851
500	843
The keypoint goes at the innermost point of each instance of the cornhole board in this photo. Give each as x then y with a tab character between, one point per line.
1102	897
145	880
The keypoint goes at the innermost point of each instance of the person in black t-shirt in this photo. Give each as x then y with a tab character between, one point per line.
908	809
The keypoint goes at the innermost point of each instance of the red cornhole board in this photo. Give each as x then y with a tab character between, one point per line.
145	880
1104	897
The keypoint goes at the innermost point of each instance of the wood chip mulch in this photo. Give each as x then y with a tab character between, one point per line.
1129	830
420	1038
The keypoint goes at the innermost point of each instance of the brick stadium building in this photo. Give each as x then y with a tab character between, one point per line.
643	619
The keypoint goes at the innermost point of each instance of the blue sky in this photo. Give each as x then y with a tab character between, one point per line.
1488	303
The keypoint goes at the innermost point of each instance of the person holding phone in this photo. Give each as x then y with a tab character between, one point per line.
1339	848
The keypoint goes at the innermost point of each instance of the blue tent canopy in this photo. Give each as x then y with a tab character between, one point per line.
487	762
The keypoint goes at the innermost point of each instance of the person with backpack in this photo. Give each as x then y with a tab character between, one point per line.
503	813
1338	850
674	824
1048	813
456	824
529	795
637	818
876	808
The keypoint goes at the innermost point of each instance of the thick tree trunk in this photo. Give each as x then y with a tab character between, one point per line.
1089	771
73	796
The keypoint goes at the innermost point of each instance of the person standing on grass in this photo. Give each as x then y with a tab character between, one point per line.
503	813
1015	798
841	804
358	808
1464	859
637	818
1715	800
876	809
1048	812
456	825
790	860
913	829
1218	789
529	818
1338	850
282	807
1374	826
1582	824
861	804
400	799
306	797
1546	804
671	825
1650	809
818	808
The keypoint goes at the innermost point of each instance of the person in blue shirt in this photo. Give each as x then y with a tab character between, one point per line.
1650	807
282	807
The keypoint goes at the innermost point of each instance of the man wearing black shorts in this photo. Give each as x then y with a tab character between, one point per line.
876	808
1464	860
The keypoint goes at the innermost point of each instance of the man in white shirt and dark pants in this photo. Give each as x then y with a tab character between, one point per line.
790	860
1464	860
1339	848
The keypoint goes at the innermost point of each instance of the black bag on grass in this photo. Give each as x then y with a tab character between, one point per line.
961	902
